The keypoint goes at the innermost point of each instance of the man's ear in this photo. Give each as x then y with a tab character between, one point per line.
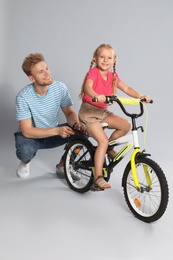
31	78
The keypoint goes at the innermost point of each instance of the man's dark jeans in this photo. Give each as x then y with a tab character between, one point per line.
26	148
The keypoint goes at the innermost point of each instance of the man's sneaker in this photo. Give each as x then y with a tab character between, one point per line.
60	173
74	175
23	170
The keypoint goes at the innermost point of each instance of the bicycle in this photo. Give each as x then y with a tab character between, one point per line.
144	183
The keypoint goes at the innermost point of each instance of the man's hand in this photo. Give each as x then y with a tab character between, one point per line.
65	131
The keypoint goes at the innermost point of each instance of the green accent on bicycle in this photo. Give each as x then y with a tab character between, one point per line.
105	172
93	169
129	101
147	175
112	142
133	167
122	152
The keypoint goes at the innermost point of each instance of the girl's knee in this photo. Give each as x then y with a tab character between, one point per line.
128	126
104	142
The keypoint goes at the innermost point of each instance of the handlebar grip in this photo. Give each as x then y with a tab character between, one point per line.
144	100
129	101
109	99
95	99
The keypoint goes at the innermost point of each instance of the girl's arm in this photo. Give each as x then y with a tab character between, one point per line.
90	92
132	92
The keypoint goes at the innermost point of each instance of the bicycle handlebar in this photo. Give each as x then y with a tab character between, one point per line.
125	101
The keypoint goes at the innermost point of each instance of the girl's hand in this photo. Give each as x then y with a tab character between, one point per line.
100	98
147	98
77	126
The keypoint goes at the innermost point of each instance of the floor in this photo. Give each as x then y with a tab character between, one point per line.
42	219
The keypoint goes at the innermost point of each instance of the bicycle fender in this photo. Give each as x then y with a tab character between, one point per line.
75	138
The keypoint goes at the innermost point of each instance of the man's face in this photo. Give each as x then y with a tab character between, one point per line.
41	75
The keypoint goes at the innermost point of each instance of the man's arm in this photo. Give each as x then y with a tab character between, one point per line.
70	115
34	132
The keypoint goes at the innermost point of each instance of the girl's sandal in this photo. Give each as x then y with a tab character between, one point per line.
99	186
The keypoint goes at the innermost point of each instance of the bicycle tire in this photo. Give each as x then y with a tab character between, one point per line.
79	160
150	203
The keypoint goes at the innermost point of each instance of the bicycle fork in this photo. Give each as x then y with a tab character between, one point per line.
133	164
133	167
131	140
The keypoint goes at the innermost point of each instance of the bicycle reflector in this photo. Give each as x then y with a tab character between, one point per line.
137	202
77	150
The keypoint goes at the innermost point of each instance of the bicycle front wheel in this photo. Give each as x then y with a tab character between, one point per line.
78	166
150	201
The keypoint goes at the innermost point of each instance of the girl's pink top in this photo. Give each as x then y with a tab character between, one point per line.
100	86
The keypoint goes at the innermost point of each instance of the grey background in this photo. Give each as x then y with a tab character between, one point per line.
41	218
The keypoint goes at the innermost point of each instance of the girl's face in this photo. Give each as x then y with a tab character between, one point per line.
105	58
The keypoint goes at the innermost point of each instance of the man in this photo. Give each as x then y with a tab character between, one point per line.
37	109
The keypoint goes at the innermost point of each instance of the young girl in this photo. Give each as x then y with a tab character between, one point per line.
100	82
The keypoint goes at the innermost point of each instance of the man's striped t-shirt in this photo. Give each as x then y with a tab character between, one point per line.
44	111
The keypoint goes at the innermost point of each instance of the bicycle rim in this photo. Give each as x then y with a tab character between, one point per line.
149	203
78	162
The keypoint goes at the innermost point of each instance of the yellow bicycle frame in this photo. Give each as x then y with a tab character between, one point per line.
133	167
134	173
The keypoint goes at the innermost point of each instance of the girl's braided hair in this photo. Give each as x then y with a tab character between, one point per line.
95	54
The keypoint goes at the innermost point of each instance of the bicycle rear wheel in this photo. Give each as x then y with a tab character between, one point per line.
150	202
78	165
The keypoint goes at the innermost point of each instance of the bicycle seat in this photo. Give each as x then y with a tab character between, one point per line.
104	125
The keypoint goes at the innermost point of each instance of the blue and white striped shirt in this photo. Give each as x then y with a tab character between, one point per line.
44	111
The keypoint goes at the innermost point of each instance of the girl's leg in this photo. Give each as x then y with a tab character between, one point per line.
96	131
121	126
